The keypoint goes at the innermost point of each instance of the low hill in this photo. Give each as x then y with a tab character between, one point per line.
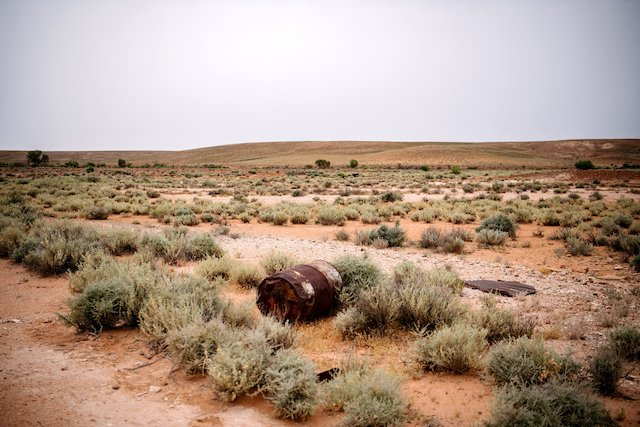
602	152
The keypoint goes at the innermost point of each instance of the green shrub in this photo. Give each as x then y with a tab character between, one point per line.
96	212
553	404
342	236
120	241
59	247
526	361
331	215
290	385
443	277
202	246
584	164
488	237
177	301
103	304
375	310
213	268
358	274
276	261
427	307
499	222
11	238
391	196
153	194
606	370
501	323
394	236
576	246
626	341
368	397
191	345
277	335
239	366
247	276
456	349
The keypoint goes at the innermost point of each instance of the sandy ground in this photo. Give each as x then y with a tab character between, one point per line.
52	376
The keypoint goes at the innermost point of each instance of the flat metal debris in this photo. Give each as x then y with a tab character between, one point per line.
502	287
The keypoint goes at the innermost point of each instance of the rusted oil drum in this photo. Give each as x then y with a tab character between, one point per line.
302	292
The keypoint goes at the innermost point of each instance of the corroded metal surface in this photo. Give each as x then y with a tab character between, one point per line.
502	287
304	291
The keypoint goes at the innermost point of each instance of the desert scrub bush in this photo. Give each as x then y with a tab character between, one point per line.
290	385
59	247
202	246
213	268
425	215
176	301
358	274
277	335
578	247
425	307
553	404
499	222
455	348
331	215
191	345
374	311
239	366
247	276
120	241
626	341
584	164
394	236
96	266
342	236
525	361
107	303
11	238
487	237
367	397
606	370
299	214
500	323
276	261
96	212
391	196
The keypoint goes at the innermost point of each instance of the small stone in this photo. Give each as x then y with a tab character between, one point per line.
64	368
154	389
115	386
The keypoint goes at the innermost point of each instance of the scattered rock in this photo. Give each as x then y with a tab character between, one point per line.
115	386
155	389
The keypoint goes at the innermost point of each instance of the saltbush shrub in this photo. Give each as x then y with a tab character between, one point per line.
626	341
239	366
59	247
290	385
455	348
501	323
107	303
606	370
553	404
487	237
331	215
499	222
191	345
374	311
368	397
358	274
276	261
525	361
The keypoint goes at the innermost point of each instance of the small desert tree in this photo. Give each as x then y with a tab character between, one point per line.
37	158
353	163
323	164
122	163
584	164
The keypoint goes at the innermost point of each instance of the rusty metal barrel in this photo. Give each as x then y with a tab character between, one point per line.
302	292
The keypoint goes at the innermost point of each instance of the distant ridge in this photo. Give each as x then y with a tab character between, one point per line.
601	152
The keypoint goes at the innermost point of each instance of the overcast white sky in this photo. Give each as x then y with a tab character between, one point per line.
176	74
